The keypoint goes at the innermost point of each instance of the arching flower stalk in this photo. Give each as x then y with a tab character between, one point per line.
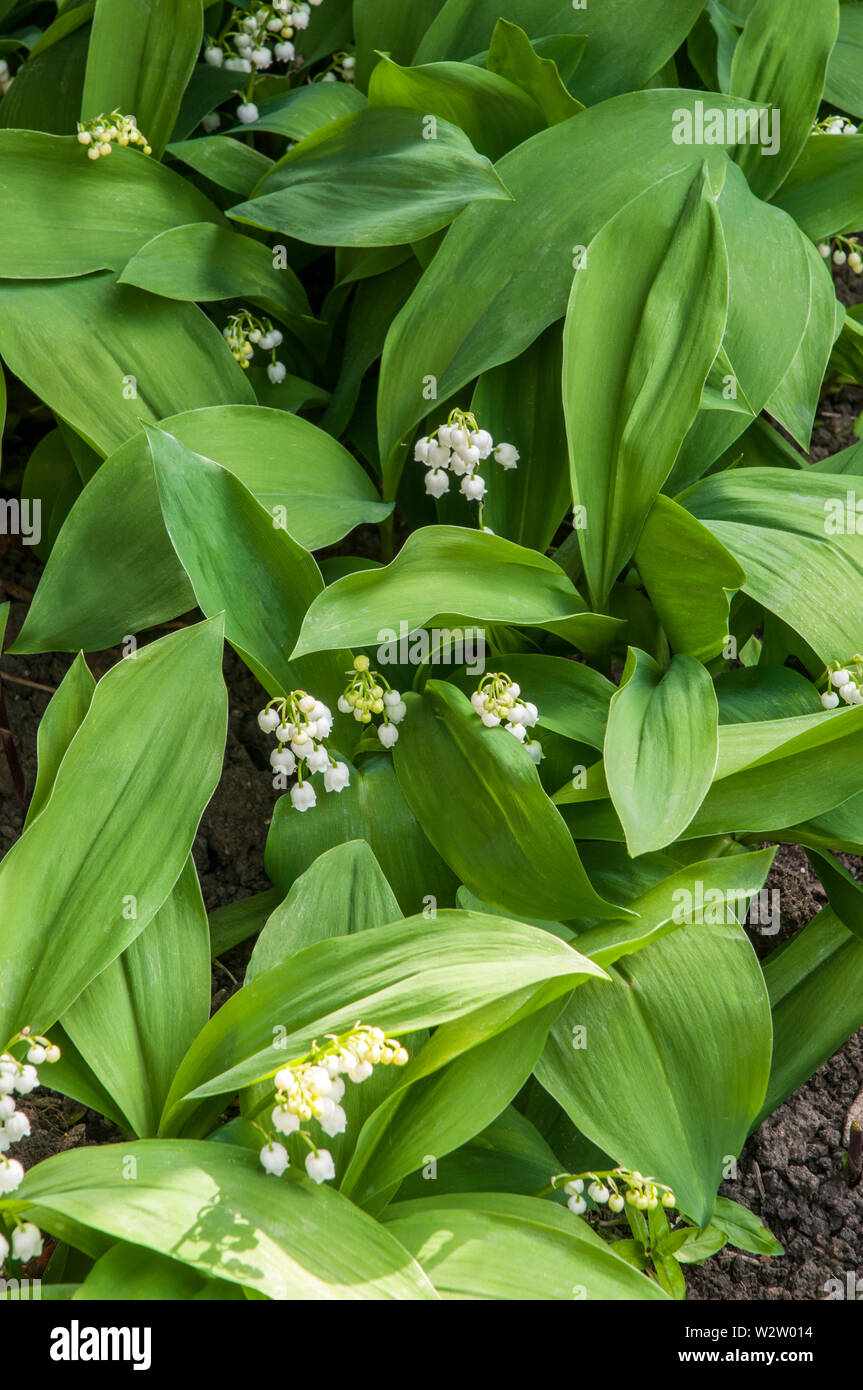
244	333
497	700
301	724
459	447
616	1187
312	1088
844	682
368	694
103	132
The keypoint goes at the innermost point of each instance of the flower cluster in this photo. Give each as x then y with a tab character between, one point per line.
312	1089
618	1187
20	1077
301	723
459	447
845	683
834	125
846	249
102	132
343	68
256	38
243	333
368	694
497	700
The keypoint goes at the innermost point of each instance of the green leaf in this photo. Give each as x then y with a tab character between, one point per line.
375	178
240	564
57	727
626	44
658	723
371	808
631	390
51	476
304	110
680	1039
744	1229
519	284
202	262
134	1023
68	215
237	921
129	1273
391	26
844	893
224	161
780	60
124	810
215	1209
689	577
511	54
494	114
779	524
406	975
843	86
460	1081
507	1156
448	570
513	1248
815	982
132	577
141	56
477	795
127	356
824	190
342	892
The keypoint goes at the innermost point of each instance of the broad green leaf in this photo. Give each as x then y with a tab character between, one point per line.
844	84
214	1208
389	26
376	178
507	1156
135	1021
46	93
127	1273
132	577
449	570
512	55
241	565
743	1228
788	532
343	891
300	112
51	476
844	893
520	284
762	692
477	795
626	45
237	921
681	1040
494	114
127	356
224	161
824	190
57	727
815	982
404	976
65	214
689	577
779	61
124	810
141	56
795	400
371	808
513	1248
436	1107
202	262
631	390
660	722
